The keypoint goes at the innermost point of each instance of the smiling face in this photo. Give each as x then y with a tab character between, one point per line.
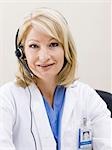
44	54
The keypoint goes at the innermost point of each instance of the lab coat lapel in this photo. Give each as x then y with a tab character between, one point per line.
41	120
69	105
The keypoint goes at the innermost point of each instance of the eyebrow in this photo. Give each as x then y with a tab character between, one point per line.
39	42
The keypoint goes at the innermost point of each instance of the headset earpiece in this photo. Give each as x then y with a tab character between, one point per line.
19	48
19	53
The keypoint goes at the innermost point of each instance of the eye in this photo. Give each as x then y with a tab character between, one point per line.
54	44
33	46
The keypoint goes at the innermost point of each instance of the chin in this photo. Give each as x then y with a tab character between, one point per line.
47	76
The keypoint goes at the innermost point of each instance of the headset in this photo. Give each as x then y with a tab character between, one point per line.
22	59
21	56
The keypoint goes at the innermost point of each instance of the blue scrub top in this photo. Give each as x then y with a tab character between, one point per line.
55	113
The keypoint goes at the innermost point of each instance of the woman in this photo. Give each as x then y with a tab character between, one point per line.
46	108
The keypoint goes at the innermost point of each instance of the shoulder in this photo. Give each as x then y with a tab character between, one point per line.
81	91
9	90
9	86
6	91
88	97
85	91
12	95
78	83
81	87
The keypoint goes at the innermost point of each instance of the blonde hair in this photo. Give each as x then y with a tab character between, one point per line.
55	25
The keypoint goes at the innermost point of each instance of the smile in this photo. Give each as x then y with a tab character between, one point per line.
45	65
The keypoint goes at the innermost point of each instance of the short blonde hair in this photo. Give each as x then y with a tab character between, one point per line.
55	25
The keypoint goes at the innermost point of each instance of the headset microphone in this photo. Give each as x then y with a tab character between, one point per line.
21	56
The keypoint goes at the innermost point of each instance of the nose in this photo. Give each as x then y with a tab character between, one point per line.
43	55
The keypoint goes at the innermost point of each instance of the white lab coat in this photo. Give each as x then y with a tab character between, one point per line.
80	100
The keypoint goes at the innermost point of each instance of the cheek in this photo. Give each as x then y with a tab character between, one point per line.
29	55
30	60
61	58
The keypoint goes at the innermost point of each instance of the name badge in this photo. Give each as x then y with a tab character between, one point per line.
85	138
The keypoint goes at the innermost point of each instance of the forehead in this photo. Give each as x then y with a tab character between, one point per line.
38	34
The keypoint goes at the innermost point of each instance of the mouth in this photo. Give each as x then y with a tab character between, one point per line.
45	65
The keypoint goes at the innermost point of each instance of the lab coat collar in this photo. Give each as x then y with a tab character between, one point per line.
70	103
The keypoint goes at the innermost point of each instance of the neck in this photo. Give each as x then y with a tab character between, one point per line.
47	89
